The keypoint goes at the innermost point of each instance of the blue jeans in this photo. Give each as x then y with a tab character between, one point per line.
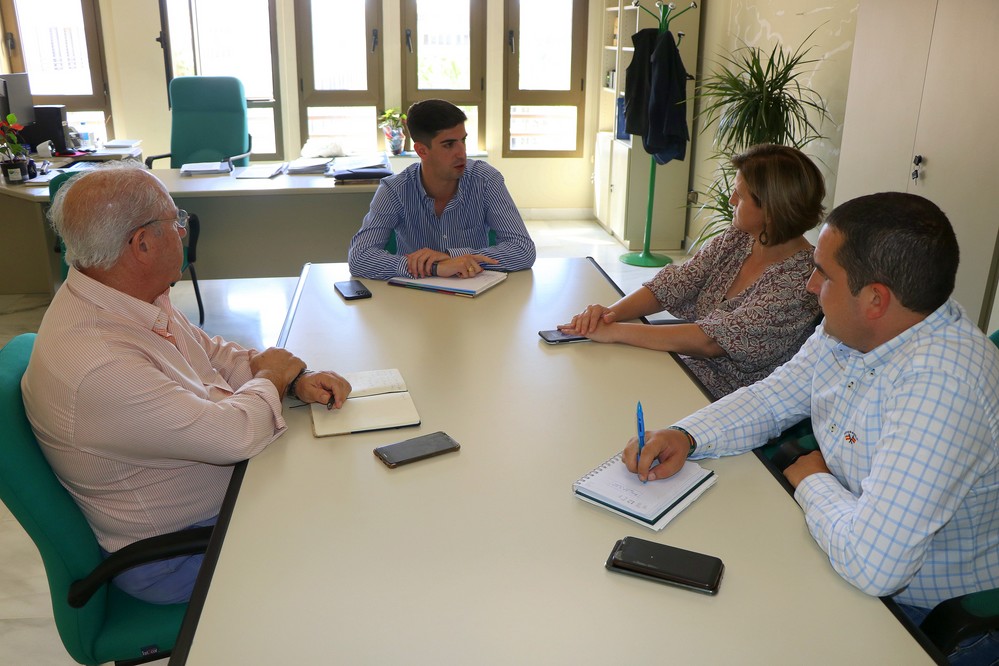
975	651
164	581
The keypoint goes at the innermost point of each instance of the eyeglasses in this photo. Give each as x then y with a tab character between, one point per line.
180	221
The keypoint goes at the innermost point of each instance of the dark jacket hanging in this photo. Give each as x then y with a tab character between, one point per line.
655	96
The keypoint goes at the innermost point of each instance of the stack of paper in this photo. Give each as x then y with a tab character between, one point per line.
456	286
123	143
201	168
261	170
360	168
308	165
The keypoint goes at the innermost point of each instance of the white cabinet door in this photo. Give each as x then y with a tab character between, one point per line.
601	177
921	84
620	169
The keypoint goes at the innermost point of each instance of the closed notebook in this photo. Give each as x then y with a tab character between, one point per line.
653	504
378	400
456	286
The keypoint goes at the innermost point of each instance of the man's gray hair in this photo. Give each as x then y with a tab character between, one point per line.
96	220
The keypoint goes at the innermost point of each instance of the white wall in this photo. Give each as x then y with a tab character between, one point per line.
729	24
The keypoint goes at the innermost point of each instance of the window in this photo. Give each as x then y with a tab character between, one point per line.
211	38
443	56
58	44
544	78
340	61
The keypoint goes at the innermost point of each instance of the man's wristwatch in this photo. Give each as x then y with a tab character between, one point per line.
290	391
433	268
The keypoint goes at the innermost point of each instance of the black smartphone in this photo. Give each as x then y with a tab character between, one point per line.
418	448
352	290
666	564
556	337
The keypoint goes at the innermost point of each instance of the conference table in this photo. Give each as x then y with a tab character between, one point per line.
324	555
249	227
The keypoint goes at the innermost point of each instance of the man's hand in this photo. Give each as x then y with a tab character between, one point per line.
806	465
325	387
418	263
669	447
587	321
278	365
464	266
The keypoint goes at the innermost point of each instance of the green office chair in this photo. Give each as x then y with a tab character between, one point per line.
208	122
97	622
190	249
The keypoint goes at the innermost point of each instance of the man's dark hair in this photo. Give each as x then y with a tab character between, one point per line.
425	119
902	241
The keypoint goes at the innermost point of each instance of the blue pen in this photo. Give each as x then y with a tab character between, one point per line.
641	430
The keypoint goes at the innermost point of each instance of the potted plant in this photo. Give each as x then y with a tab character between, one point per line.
755	97
392	122
13	153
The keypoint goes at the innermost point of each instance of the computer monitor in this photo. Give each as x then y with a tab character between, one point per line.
16	98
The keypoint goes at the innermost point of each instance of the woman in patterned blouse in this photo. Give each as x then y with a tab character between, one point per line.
744	291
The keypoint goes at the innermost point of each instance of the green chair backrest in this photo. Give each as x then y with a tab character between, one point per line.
54	186
48	513
209	122
995	337
392	246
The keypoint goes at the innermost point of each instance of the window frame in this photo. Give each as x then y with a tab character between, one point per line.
309	96
100	99
514	96
476	94
273	103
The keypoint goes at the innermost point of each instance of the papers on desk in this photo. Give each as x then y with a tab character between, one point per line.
653	504
308	165
360	167
203	168
123	143
261	170
456	286
378	400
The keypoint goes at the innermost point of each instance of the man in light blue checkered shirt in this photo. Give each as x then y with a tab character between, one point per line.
903	392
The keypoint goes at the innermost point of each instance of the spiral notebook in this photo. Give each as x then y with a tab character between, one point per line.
651	504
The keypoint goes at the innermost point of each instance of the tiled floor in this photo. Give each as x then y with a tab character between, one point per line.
250	312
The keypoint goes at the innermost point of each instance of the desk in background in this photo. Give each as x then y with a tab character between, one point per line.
250	227
485	556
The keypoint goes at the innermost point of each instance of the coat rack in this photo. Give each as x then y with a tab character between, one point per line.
646	257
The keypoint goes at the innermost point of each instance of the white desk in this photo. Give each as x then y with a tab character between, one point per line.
249	227
485	556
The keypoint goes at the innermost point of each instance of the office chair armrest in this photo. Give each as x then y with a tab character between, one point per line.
162	547
954	620
152	158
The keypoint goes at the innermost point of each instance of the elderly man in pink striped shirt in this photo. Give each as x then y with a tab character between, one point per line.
140	413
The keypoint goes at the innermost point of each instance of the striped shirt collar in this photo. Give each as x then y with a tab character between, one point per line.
149	316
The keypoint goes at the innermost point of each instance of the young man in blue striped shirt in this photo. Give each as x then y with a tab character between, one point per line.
903	392
442	210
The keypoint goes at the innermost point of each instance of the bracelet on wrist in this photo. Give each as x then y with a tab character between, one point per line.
690	438
433	268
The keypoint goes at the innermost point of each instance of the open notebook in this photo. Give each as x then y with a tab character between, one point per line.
378	400
469	287
652	504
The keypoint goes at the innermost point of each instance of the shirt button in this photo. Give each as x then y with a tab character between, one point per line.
850	385
832	428
870	373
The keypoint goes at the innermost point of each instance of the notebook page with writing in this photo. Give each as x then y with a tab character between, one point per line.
652	504
373	382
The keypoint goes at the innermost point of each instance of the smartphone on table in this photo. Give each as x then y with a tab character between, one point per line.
666	564
418	448
556	337
351	290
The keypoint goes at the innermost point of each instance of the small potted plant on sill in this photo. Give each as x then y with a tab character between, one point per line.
393	123
13	154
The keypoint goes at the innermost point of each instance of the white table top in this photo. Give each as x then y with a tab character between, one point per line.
485	556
